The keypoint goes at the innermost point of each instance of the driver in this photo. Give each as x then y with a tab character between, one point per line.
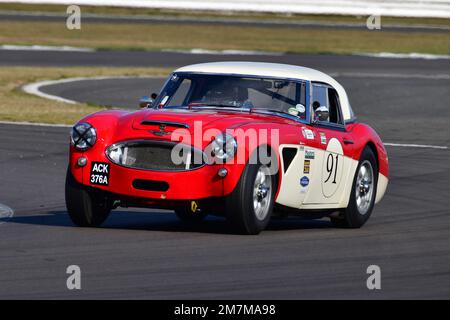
321	113
227	94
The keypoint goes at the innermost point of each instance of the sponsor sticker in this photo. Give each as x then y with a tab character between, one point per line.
304	181
293	111
309	154
306	166
302	146
323	138
308	134
99	173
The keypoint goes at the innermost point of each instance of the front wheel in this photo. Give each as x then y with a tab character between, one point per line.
362	197
86	207
250	205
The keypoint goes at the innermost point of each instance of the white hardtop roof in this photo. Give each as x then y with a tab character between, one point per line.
277	70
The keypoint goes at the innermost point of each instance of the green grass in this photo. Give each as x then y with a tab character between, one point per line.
16	105
217	37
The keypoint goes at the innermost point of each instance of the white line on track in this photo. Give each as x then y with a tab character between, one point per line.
412	55
5	213
34	88
226	52
36	124
407	145
44	48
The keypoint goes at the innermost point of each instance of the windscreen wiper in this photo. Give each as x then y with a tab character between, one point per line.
265	110
214	105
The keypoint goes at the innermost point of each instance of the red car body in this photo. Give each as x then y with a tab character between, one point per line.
156	124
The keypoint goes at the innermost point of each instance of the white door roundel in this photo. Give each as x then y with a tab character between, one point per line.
332	167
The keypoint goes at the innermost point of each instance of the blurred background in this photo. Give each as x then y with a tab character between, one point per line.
61	60
167	34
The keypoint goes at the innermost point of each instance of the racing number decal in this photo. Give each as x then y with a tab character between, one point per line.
332	168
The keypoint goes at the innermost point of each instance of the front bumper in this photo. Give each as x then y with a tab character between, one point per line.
194	184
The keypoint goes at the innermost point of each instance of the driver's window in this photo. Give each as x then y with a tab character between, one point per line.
320	103
325	105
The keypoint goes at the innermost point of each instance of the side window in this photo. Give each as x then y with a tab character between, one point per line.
320	96
325	104
334	106
320	103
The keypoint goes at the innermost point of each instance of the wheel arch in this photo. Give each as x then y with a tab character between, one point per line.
235	170
371	145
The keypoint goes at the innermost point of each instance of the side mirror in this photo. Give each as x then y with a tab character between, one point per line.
147	101
322	113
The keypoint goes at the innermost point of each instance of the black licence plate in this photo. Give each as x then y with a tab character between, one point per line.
99	173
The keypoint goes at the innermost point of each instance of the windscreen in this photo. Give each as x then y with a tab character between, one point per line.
230	91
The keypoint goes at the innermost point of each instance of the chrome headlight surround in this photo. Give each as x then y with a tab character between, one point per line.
117	153
224	146
83	136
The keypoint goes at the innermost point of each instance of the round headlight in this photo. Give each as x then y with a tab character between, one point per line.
224	146
83	136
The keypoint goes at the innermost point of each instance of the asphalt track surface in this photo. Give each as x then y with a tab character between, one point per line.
152	19
150	254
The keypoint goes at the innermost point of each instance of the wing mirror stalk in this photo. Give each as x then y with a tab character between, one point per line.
146	101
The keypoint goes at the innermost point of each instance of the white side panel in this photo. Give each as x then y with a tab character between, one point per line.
291	193
350	166
314	191
294	195
381	187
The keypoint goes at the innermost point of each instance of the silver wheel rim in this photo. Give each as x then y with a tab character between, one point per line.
262	193
364	187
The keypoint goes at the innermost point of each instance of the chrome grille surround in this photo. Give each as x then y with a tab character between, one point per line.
154	155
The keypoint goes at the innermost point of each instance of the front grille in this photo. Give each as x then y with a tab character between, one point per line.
156	155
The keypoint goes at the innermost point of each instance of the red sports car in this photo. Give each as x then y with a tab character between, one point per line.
244	140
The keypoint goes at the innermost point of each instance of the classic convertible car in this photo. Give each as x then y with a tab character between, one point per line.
244	140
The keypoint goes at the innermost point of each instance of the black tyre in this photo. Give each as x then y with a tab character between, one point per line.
190	212
87	207
362	197
250	205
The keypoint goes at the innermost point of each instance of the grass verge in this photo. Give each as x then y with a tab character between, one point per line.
16	105
129	36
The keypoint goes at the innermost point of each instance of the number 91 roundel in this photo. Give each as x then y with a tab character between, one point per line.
332	168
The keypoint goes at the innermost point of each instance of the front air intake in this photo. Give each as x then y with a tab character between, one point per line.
150	185
288	155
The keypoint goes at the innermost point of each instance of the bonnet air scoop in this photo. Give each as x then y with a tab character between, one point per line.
164	123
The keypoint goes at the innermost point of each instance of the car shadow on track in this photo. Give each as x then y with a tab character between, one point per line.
163	221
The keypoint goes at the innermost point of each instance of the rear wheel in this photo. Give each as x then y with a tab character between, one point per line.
362	197
87	207
250	205
190	212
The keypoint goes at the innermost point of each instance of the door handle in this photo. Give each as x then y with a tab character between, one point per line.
347	141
